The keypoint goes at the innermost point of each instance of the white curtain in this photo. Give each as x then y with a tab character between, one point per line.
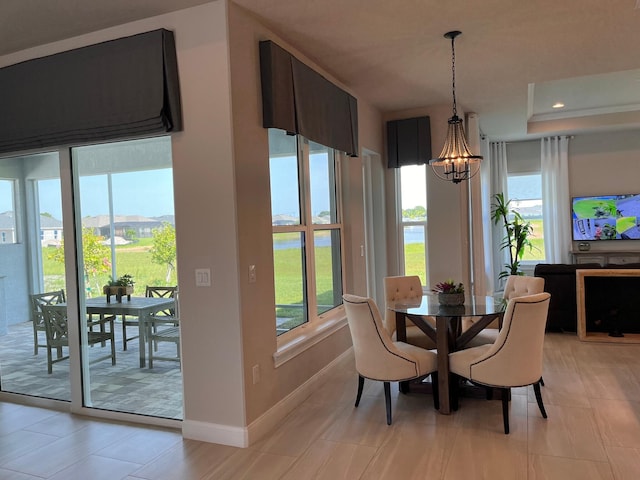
556	211
494	180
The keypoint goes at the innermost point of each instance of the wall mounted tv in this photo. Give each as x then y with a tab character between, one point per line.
606	217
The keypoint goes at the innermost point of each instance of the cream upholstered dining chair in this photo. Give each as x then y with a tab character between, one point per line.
403	288
378	357
516	286
515	359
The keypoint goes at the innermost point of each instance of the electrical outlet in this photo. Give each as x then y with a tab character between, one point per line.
256	374
252	274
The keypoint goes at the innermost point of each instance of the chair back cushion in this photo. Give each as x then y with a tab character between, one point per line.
377	357
515	359
397	289
519	286
522	285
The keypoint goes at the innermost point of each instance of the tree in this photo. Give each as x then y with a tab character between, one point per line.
415	212
96	257
163	251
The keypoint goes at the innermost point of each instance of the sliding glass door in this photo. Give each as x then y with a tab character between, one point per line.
126	228
31	237
121	355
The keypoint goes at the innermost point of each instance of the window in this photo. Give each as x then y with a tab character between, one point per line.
413	192
525	193
307	233
7	212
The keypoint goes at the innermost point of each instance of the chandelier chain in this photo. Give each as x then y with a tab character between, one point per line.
453	74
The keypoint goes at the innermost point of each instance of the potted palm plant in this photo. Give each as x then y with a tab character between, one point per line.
517	234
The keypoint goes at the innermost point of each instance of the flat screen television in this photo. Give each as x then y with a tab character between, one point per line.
606	217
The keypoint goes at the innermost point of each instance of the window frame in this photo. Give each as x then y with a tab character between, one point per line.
317	326
16	210
528	265
401	223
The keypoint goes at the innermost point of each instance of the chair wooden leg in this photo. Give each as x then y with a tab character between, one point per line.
49	361
536	389
124	333
435	390
403	387
387	400
360	385
113	350
35	339
505	408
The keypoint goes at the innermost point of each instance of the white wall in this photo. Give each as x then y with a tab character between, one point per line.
605	163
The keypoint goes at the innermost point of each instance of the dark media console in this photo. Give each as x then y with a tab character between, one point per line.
561	282
608	305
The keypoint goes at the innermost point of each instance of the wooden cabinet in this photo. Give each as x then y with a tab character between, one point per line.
605	257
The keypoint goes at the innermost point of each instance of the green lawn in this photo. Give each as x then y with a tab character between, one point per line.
133	259
414	252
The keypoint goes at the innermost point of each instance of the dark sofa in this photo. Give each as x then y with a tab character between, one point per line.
560	282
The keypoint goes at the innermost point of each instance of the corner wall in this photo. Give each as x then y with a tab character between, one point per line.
251	153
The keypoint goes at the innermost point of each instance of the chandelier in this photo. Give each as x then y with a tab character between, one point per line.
455	160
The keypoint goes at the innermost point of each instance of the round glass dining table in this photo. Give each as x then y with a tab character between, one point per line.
448	334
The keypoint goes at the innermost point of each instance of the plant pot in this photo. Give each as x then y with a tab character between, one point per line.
451	299
118	291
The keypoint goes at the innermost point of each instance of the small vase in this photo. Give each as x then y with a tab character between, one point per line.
451	298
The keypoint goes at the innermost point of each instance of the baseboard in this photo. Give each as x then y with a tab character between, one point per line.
246	436
272	417
215	433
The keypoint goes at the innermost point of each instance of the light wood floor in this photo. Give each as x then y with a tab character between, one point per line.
592	396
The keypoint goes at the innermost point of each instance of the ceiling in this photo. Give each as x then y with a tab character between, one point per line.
514	59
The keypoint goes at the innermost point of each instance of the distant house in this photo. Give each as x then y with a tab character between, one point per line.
50	231
7	228
125	226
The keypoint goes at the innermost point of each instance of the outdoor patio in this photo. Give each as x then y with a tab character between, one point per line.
124	387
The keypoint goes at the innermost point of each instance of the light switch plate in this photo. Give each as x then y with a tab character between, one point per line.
203	277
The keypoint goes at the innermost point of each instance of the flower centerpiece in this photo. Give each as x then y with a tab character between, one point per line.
119	287
449	292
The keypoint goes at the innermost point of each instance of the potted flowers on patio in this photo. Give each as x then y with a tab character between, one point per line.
119	287
449	293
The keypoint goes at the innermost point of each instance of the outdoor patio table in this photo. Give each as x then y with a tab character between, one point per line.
141	307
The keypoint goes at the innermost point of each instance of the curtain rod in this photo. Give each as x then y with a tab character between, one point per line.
483	137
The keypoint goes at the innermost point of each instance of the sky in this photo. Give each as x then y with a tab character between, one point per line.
148	193
285	187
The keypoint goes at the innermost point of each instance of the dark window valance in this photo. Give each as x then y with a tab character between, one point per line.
120	88
408	142
297	99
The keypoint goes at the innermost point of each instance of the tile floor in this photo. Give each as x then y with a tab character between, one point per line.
592	396
123	387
